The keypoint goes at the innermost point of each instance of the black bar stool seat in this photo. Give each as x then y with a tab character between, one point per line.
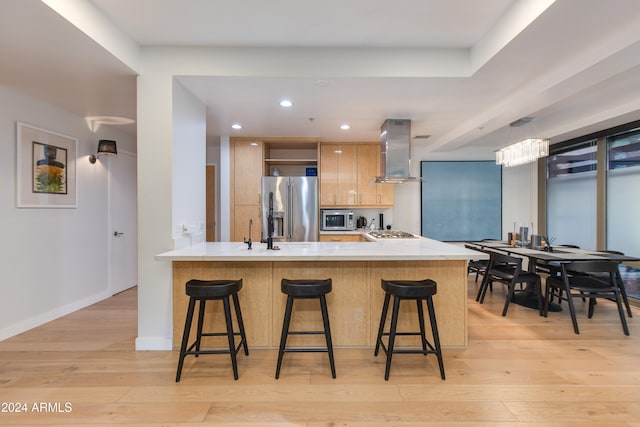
420	290
207	290
305	289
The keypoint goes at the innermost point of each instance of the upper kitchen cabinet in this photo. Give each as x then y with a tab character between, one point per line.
338	175
368	169
246	184
347	176
384	192
247	165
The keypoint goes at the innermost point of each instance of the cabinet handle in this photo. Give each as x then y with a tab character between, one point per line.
259	198
379	199
335	199
336	239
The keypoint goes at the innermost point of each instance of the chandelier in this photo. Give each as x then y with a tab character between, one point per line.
522	152
525	151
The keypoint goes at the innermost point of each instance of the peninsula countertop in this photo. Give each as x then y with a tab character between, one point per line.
379	250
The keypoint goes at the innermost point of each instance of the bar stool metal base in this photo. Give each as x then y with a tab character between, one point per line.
418	291
305	289
203	291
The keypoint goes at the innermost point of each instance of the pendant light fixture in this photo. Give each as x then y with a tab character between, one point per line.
525	151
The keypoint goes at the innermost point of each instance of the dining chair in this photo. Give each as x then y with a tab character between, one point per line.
623	291
590	279
508	270
478	266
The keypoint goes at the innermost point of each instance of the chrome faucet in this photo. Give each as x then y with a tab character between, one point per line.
248	242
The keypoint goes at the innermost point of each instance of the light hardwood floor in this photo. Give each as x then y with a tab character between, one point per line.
518	370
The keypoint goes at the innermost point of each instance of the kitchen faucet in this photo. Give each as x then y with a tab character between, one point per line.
269	239
248	242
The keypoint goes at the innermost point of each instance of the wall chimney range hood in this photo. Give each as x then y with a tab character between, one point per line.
395	152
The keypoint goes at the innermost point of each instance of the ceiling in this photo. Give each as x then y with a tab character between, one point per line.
574	66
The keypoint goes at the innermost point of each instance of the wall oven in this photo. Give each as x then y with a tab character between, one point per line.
337	220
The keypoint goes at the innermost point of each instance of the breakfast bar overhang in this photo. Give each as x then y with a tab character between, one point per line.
356	269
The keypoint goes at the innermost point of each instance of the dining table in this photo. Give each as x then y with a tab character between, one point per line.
550	255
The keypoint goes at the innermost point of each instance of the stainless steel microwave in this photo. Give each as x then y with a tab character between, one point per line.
337	220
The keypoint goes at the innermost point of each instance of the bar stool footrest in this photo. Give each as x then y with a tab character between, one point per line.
305	350
190	351
431	349
306	333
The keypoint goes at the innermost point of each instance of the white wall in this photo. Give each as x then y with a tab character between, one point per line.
171	187
53	261
189	173
520	198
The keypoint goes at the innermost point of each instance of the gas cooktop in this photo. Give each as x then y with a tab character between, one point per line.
391	234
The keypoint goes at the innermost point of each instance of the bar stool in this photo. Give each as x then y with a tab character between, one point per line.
305	289
203	291
409	290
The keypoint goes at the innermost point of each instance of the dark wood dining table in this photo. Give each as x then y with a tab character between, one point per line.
558	254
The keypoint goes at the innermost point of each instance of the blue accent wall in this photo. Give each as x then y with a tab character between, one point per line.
461	200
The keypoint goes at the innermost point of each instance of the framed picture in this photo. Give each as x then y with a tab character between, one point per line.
46	169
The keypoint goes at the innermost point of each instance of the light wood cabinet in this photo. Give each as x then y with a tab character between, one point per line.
338	175
247	160
342	238
368	161
247	171
347	176
242	214
384	192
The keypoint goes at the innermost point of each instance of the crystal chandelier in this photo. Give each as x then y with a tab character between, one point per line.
523	152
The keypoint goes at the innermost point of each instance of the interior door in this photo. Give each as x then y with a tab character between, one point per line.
123	251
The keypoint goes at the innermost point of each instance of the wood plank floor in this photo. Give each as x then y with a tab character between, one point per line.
519	370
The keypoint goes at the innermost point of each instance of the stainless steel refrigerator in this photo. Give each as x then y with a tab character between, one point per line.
292	202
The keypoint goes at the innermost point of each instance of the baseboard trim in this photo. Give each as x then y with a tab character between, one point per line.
56	313
154	343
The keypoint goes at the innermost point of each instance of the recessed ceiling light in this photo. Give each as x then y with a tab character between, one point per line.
236	126
286	103
345	127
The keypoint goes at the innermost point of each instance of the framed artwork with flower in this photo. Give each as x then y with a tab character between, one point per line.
46	169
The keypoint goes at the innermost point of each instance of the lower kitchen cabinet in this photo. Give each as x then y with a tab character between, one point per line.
342	238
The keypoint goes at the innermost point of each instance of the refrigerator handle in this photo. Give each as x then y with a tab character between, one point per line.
290	210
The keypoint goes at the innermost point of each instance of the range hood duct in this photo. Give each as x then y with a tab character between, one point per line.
395	152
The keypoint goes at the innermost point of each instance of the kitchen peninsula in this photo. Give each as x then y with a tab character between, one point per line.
356	300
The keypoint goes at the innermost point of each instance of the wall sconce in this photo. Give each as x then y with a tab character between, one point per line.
106	147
